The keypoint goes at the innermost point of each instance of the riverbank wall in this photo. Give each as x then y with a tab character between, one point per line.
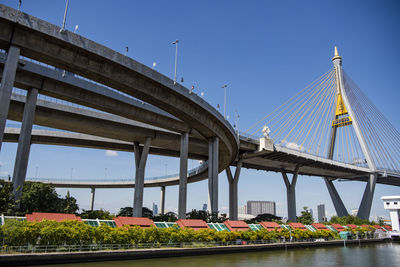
133	254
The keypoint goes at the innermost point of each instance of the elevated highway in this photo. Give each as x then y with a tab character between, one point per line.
121	104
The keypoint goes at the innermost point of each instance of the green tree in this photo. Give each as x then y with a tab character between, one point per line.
128	212
206	216
348	220
306	217
167	217
6	203
68	204
125	211
266	217
40	197
36	197
96	214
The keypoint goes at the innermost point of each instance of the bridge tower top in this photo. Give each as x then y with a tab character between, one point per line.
337	58
343	107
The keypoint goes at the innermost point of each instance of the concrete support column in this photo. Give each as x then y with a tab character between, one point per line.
233	190
213	173
337	201
141	154
366	202
92	192
162	200
291	194
7	83
183	170
24	145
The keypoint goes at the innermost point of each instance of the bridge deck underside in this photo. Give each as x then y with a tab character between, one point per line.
278	161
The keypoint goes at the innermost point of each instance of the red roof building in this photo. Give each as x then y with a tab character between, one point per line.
236	225
378	227
195	224
352	226
367	226
271	226
387	227
298	226
320	226
338	227
58	217
133	221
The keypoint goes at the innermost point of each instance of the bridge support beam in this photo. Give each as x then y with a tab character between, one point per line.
162	200
92	192
7	83
233	190
213	144
183	170
337	201
24	145
366	202
141	153
291	193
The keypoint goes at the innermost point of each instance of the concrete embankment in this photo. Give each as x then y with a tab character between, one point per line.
114	255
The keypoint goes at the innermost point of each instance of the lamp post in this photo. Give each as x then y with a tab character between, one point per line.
65	16
176	58
224	86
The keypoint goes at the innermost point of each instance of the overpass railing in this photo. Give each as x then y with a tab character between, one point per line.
191	172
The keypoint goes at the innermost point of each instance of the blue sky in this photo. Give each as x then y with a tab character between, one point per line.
265	51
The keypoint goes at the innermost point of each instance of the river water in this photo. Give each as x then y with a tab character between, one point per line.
381	254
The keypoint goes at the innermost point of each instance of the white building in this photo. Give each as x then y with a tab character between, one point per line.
261	207
392	203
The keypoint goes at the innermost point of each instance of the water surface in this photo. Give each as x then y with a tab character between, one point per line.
381	254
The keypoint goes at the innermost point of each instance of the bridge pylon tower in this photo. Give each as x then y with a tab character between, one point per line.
345	117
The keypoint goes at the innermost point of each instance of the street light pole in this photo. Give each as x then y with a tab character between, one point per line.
65	16
176	58
224	86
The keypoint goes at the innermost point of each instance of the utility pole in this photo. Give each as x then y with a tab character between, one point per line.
176	58
224	86
65	17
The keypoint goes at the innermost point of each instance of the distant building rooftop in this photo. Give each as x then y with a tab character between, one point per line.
236	225
195	224
58	217
132	221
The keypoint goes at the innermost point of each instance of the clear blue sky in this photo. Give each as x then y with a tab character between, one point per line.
265	51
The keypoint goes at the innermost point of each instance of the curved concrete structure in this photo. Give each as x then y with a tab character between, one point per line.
42	41
136	109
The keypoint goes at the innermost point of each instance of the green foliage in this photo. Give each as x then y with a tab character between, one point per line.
306	217
348	220
18	233
128	212
206	216
36	197
69	204
96	214
6	205
266	217
167	217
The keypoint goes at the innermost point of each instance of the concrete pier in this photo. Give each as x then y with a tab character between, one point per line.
233	190
337	201
183	170
24	145
92	193
366	202
141	154
213	173
7	83
291	194
162	200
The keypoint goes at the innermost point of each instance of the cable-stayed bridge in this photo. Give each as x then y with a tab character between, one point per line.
99	98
